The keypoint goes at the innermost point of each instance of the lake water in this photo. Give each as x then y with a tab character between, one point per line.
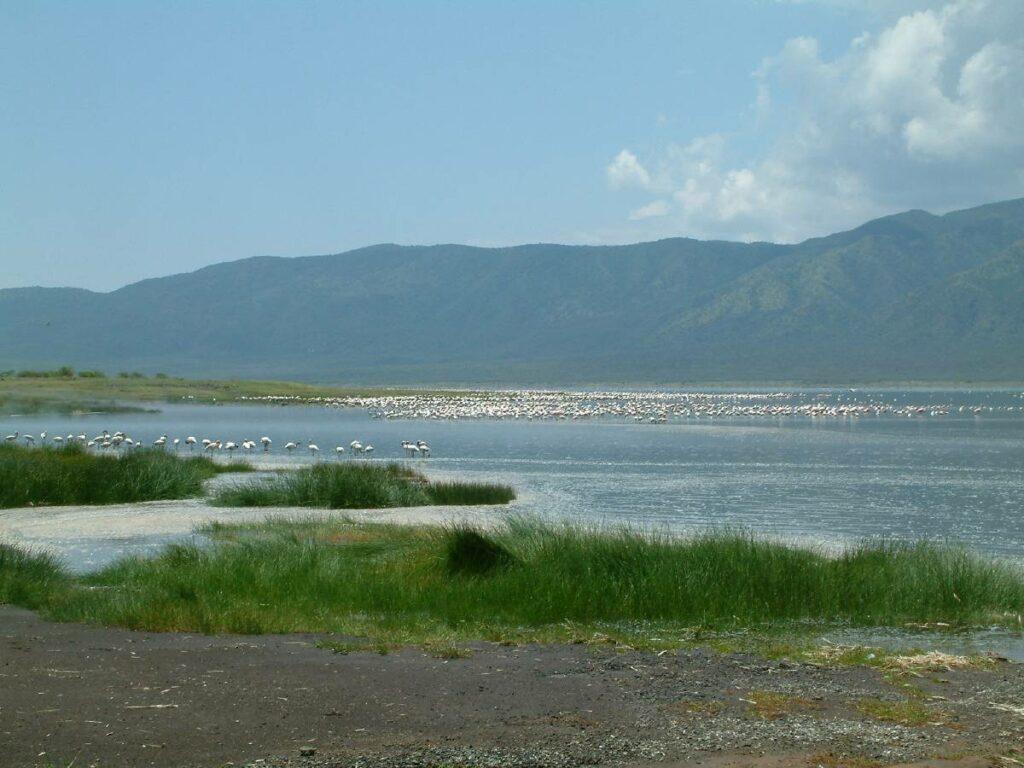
828	480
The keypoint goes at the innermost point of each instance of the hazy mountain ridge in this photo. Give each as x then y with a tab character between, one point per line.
906	296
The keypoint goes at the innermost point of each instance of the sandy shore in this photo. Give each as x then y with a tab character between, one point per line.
87	536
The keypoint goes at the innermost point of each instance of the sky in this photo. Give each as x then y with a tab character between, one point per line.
140	139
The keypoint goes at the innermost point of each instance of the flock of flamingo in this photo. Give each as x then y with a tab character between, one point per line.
121	440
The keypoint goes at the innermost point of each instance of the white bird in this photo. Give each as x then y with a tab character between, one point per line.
42	437
58	439
29	439
230	446
190	441
339	449
313	448
175	443
368	449
266	442
424	448
290	446
356	446
12	438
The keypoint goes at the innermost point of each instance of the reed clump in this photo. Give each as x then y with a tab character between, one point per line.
354	485
71	474
29	579
531	580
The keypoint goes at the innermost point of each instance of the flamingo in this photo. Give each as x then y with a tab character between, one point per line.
313	448
29	440
175	443
160	442
290	446
230	446
356	446
12	438
339	449
424	448
190	441
58	439
368	449
266	443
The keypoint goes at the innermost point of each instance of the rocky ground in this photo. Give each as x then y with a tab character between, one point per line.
87	696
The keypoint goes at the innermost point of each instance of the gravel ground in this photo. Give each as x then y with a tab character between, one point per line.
110	697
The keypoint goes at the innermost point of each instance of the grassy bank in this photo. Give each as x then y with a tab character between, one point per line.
358	486
66	391
529	581
72	475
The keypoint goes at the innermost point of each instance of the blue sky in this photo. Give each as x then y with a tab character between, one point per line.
140	139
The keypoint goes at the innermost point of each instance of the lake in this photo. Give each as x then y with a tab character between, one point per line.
956	476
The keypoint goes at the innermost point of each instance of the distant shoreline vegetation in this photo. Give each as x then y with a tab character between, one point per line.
64	390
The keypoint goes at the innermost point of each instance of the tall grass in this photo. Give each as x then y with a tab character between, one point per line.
29	579
72	475
376	579
358	486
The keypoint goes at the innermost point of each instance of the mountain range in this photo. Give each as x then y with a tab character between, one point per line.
913	296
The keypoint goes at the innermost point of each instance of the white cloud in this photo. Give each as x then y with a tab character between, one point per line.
625	171
650	211
923	113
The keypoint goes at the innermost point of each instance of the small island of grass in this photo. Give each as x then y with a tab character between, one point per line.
358	486
71	474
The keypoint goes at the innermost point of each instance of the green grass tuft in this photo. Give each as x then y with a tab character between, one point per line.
357	486
396	584
29	579
72	475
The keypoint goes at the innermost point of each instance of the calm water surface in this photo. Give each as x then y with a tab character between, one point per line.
958	477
